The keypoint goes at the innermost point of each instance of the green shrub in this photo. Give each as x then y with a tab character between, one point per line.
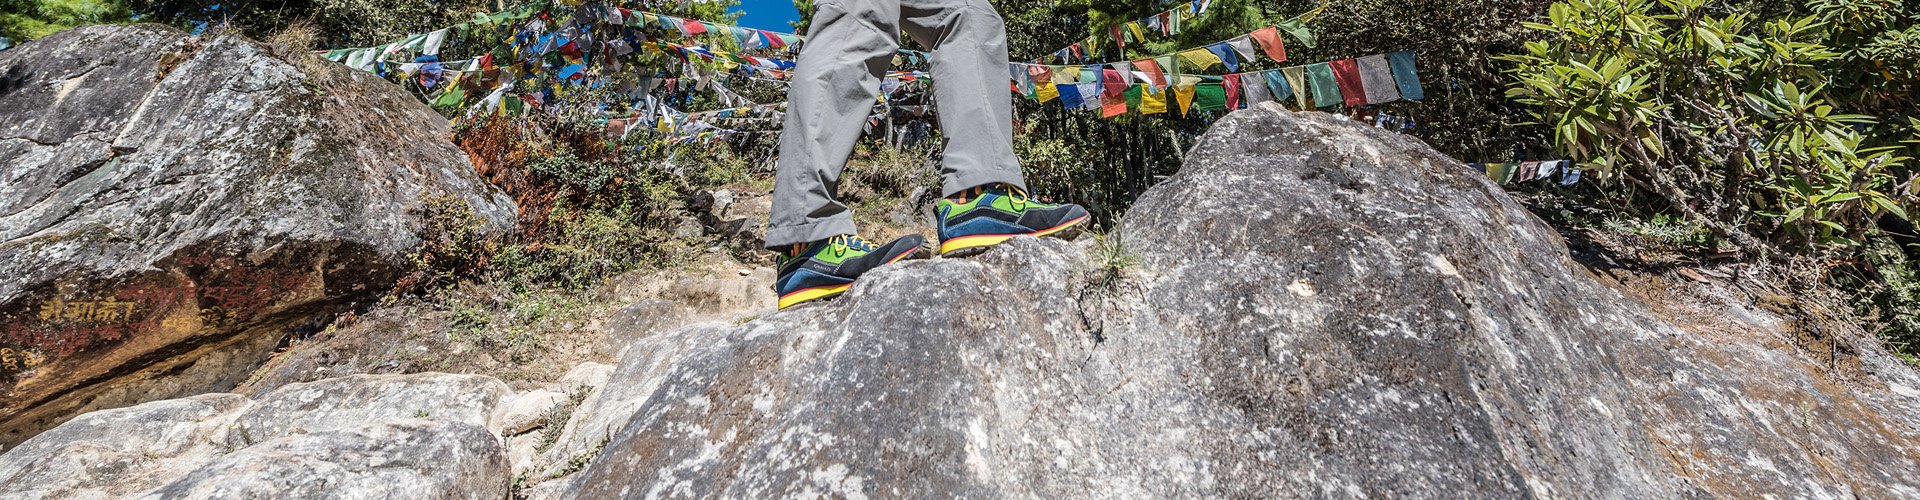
1749	125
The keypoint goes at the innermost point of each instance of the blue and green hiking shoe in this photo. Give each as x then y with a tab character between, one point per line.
986	216
827	268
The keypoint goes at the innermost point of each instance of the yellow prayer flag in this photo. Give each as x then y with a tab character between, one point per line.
1067	75
1201	57
1139	32
1184	94
1048	92
1153	102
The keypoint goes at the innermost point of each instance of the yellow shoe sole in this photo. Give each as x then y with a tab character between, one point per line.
817	293
812	294
969	245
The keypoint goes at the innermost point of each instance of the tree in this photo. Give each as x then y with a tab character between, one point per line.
1796	128
23	20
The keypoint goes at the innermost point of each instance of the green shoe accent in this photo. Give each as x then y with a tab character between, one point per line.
997	213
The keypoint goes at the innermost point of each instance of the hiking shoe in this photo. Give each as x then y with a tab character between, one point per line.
983	217
827	268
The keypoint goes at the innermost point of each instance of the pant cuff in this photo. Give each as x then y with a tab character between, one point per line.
778	237
956	183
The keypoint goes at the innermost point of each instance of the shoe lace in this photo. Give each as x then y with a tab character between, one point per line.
1018	197
843	242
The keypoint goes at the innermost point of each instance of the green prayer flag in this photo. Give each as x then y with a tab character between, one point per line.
1326	90
452	97
1210	97
1298	31
1133	96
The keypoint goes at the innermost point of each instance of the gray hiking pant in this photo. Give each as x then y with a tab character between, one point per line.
849	48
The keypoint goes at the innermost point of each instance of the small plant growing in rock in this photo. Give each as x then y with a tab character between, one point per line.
579	461
1112	262
557	417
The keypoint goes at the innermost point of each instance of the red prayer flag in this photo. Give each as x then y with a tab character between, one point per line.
1075	50
773	40
1346	72
1119	37
1269	39
1115	86
1153	71
1232	85
693	26
1041	73
1112	105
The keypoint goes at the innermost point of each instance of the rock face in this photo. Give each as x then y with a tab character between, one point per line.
390	436
170	206
1310	308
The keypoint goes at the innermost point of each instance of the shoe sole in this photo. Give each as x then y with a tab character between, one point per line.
968	246
806	295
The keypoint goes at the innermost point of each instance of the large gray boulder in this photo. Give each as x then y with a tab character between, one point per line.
425	435
415	458
170	206
121	452
1312	308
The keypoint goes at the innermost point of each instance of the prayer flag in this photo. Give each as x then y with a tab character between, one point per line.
1404	75
1139	32
434	40
1346	74
1114	83
1113	105
1126	72
1070	96
692	27
1326	91
1040	73
1225	53
1210	97
1184	94
1243	45
1253	87
1277	86
1089	95
1153	102
1202	58
1066	74
1119	37
1297	82
1377	76
1155	76
1231	85
1269	39
1048	91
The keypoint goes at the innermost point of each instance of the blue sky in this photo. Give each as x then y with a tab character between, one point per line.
771	15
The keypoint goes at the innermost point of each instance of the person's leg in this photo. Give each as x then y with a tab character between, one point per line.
849	47
985	198
969	43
